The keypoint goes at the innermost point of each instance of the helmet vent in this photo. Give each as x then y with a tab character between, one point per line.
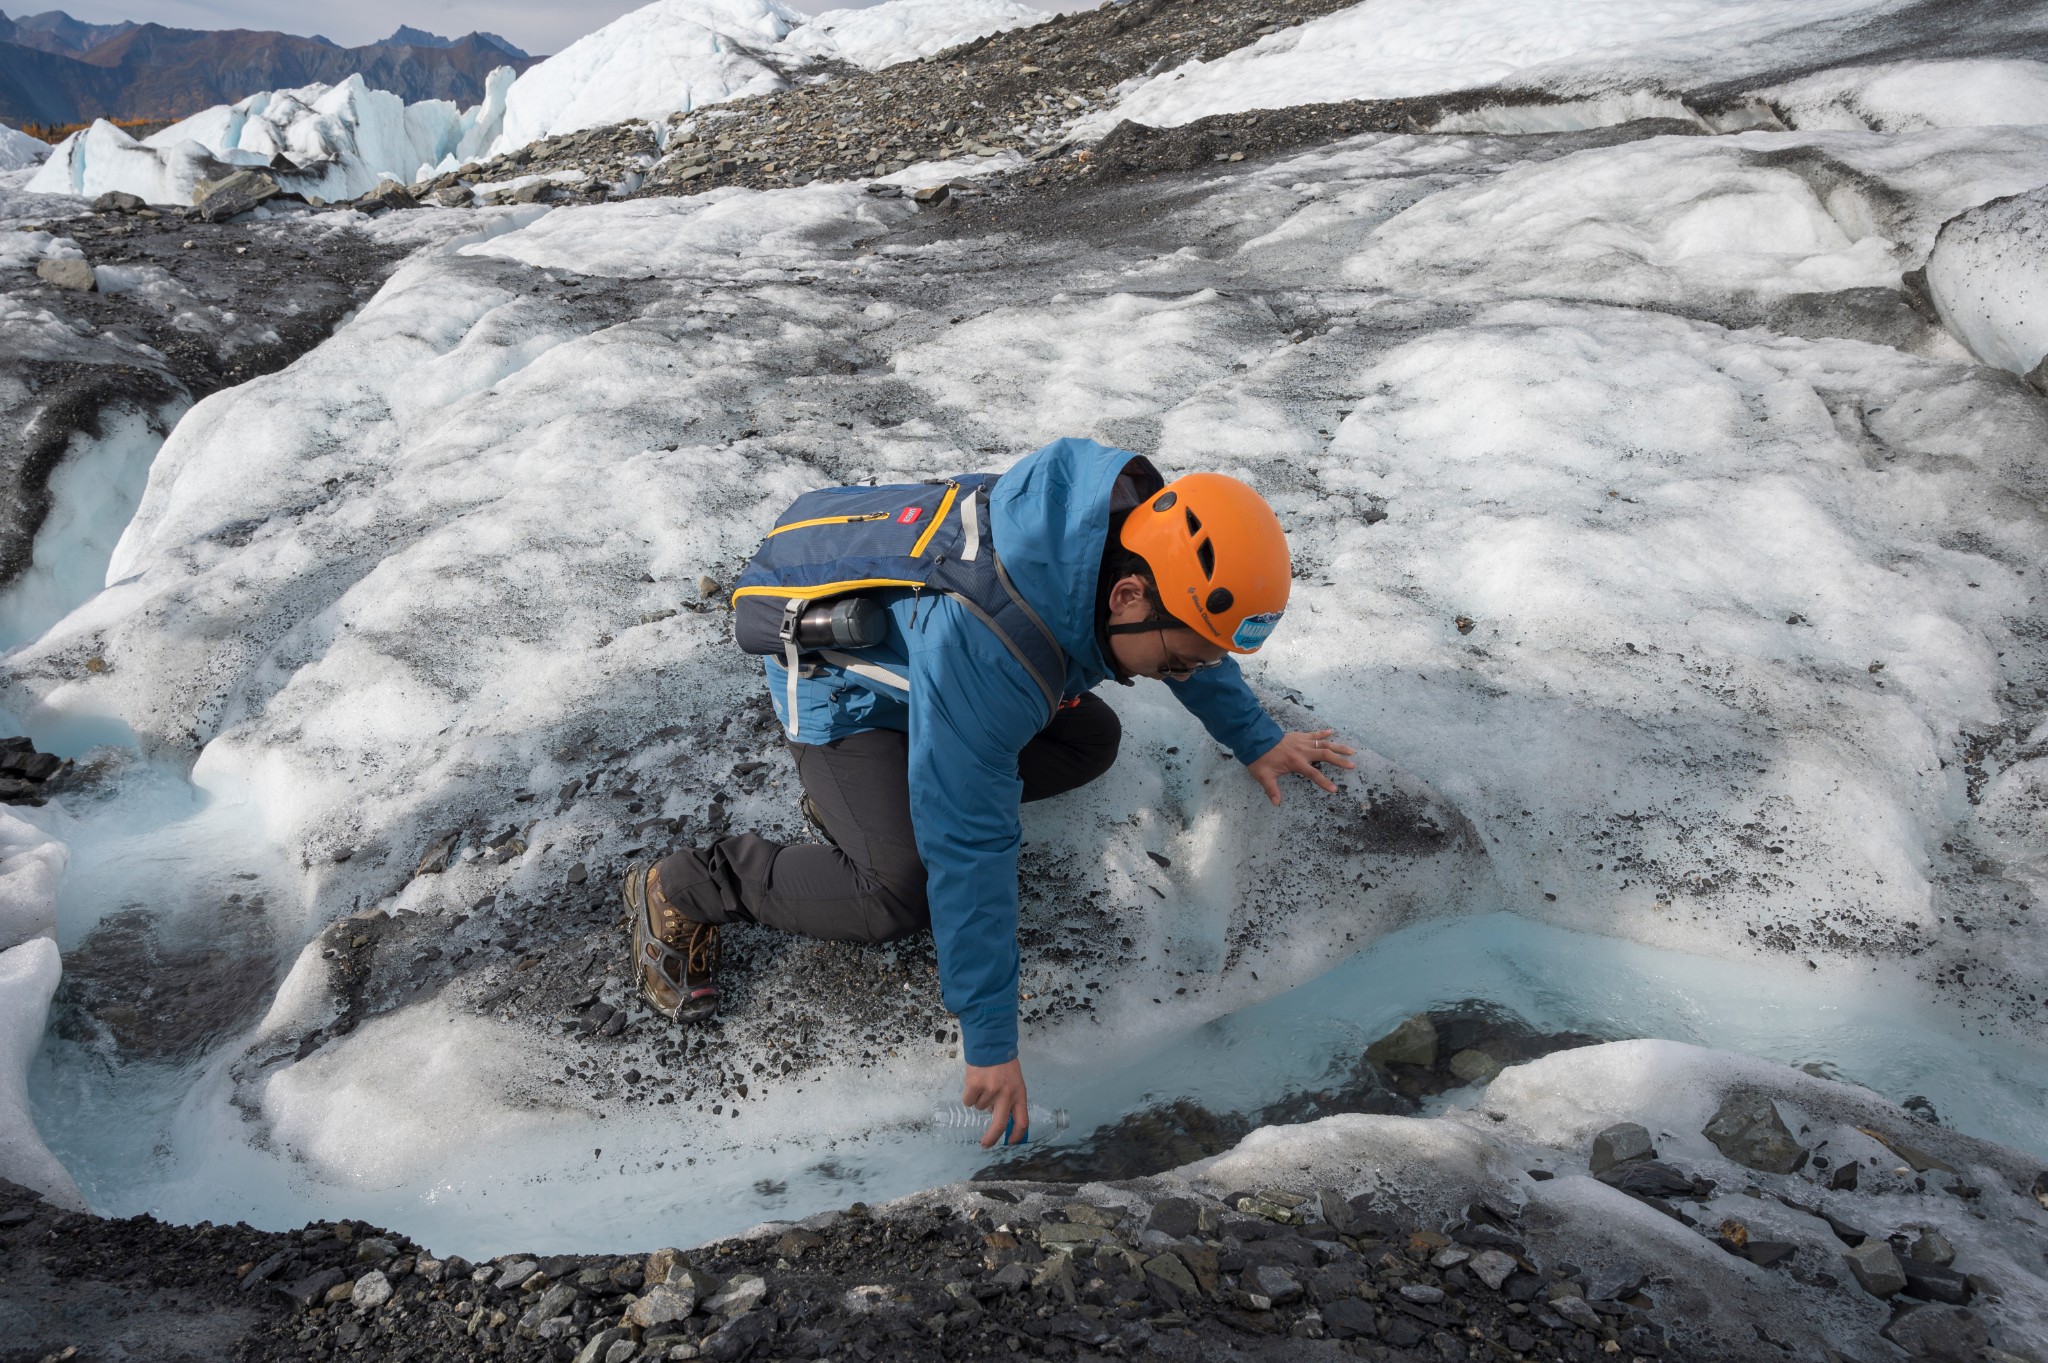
1206	553
1194	524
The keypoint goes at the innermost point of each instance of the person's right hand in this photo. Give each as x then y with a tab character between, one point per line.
999	1091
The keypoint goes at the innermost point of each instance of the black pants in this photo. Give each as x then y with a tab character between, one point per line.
869	888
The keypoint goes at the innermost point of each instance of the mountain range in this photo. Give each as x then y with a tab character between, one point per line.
56	70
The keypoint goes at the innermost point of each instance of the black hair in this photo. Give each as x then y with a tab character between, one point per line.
1119	563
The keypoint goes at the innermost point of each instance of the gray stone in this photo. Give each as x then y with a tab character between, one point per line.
372	1290
1421	1294
387	194
375	1249
600	1345
513	1272
1169	1269
75	275
554	1302
251	184
1749	1131
1877	1268
1930	1247
740	1296
1412	1043
454	196
1276	1285
1493	1267
621	1351
1475	1067
435	859
1619	1144
1937	1334
1932	1282
661	1262
117	201
310	1290
1349	1318
1012	1277
1450	1257
429	1268
660	1305
1177	1217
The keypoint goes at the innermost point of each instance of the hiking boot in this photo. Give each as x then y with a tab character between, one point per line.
811	815
675	958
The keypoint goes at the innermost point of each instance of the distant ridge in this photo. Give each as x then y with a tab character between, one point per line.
57	70
408	36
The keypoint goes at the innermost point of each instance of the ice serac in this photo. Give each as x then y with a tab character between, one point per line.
18	149
1988	275
669	57
330	141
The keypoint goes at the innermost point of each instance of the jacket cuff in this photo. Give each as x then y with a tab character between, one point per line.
989	1040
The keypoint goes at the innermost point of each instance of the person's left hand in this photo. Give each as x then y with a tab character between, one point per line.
1299	753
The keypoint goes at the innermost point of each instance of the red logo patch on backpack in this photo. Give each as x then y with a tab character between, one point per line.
909	514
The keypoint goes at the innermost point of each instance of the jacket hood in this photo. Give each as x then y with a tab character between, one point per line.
1051	519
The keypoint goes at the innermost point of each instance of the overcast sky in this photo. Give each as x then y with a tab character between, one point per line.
536	25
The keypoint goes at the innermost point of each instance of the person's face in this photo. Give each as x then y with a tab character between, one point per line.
1169	653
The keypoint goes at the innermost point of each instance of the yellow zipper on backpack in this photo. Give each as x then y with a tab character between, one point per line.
830	520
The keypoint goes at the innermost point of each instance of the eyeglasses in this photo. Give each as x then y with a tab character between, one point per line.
1179	668
1175	667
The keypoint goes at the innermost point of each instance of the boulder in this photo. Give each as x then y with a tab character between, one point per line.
66	274
1475	1067
1412	1043
387	194
1876	1268
118	201
218	200
1937	1334
1749	1131
1620	1144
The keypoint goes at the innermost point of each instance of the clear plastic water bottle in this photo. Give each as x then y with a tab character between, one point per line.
956	1121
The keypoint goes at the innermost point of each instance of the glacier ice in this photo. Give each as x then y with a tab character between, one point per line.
390	590
1395	48
19	150
876	36
672	56
668	57
1988	274
330	142
31	867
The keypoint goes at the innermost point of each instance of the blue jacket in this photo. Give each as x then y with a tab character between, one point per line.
972	707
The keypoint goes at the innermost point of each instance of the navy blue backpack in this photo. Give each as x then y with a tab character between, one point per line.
836	543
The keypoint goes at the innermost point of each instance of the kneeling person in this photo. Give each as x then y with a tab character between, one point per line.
1004	602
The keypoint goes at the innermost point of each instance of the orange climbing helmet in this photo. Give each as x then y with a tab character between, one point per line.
1218	556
